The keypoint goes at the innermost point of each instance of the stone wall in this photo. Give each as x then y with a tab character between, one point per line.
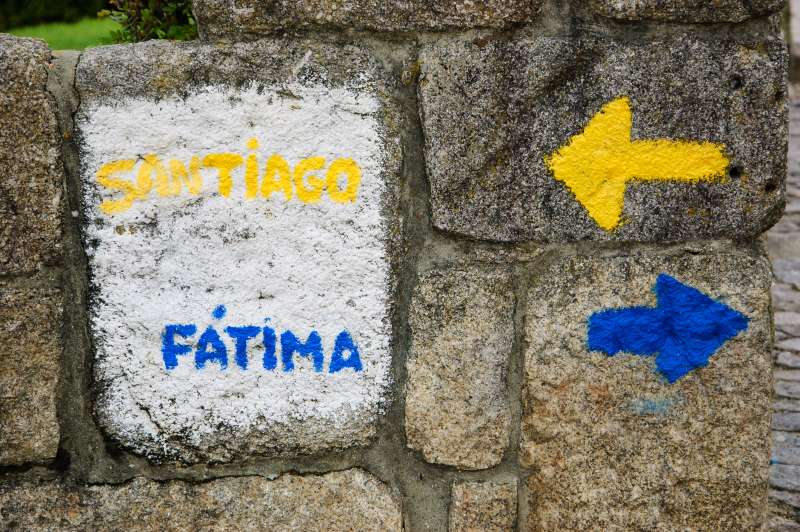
381	265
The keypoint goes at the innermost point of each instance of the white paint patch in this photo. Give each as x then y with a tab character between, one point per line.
286	264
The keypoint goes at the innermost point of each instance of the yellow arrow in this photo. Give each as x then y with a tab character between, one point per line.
597	164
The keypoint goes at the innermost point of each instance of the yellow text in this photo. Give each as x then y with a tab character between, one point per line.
308	181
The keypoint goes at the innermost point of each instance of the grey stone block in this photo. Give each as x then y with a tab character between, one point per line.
289	255
778	523
788	359
785	476
786	375
685	10
786	297
612	443
787	271
30	159
343	500
494	110
788	323
790	498
790	405
461	321
787	389
30	369
792	344
155	69
218	18
487	506
783	245
786	421
785	447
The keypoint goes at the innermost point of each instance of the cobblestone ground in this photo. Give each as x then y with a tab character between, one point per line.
784	247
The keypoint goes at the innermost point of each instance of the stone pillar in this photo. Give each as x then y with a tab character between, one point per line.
30	255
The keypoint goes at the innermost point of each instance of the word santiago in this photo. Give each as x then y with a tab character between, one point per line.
211	348
277	177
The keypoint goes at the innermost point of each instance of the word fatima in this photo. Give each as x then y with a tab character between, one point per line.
277	177
211	348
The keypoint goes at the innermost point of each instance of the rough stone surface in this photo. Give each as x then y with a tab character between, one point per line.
686	10
783	242
162	69
782	524
461	322
216	18
788	359
785	447
30	150
789	405
483	506
789	344
788	323
785	476
787	389
293	266
30	332
347	500
611	442
786	421
790	498
492	110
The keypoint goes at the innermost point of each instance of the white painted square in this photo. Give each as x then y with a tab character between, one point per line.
287	265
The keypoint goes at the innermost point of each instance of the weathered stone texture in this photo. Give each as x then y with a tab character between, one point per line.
782	524
30	333
493	110
30	149
217	18
783	242
611	442
483	506
462	328
298	99
161	68
347	500
686	10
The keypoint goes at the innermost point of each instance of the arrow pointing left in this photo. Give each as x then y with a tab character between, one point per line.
597	163
683	330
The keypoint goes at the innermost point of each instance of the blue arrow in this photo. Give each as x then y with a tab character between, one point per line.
684	329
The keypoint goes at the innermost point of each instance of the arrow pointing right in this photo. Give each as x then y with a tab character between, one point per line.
683	330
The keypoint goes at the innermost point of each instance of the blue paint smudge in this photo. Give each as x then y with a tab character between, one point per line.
683	331
650	407
219	312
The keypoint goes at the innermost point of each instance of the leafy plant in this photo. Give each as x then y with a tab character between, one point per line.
142	20
16	13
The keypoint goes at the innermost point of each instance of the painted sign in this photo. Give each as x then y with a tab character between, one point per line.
238	250
683	331
598	163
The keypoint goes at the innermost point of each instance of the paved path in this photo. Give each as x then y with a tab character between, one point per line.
784	247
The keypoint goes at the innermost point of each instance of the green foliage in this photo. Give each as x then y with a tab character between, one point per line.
152	19
71	35
15	13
